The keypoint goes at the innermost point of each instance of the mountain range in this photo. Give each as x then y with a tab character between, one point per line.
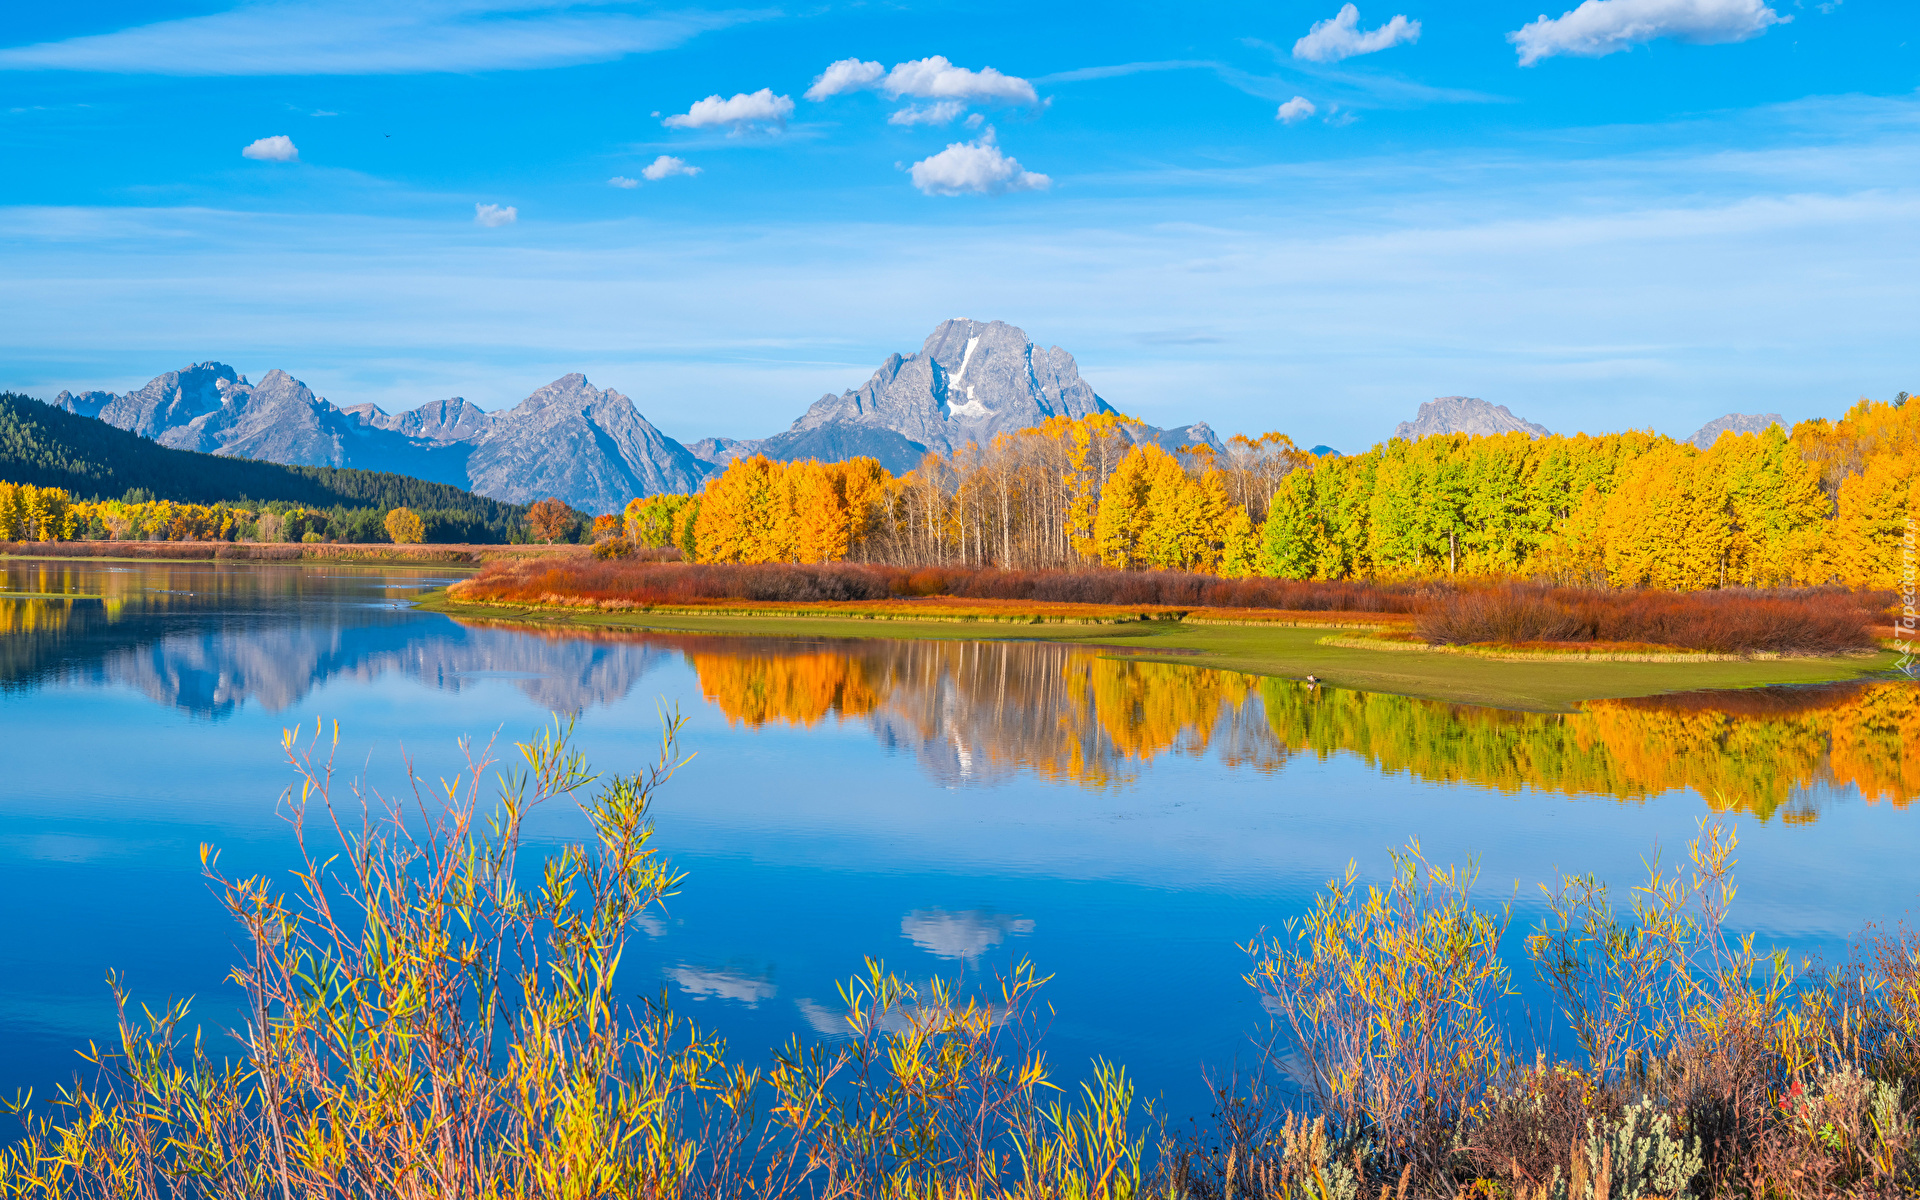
969	381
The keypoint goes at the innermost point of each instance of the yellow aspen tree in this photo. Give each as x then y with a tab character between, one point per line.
12	512
1123	510
864	486
1874	510
818	512
746	514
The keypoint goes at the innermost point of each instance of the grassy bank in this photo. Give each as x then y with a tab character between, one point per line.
1272	648
470	554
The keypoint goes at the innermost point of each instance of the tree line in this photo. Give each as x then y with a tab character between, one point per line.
48	514
1828	501
45	447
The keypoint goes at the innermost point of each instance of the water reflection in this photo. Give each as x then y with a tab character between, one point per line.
209	639
977	713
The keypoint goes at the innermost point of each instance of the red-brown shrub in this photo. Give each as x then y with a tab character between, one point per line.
1730	621
638	582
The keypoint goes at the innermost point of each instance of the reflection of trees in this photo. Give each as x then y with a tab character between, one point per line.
979	712
1753	752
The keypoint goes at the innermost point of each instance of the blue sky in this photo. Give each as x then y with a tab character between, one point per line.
1633	213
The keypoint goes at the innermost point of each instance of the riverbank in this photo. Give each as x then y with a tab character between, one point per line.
1300	645
379	553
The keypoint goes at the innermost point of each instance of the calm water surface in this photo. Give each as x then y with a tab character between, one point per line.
949	808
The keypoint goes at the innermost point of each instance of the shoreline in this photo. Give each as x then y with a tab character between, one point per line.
468	555
1290	649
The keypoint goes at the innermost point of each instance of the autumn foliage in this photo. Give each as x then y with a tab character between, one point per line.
1829	503
551	520
405	527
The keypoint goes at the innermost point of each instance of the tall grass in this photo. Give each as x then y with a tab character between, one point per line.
1734	621
435	1012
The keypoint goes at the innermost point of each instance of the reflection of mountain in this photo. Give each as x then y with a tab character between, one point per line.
981	712
209	640
978	712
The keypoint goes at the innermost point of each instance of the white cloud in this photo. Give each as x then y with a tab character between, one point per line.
667	165
847	75
941	112
1295	110
933	78
621	181
1340	36
975	168
937	79
278	148
369	37
493	216
1600	27
743	110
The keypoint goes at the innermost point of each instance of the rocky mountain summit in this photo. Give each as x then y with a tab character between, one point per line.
591	448
1705	436
970	381
1465	414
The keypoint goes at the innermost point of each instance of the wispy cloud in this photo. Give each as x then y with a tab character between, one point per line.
1601	27
1082	74
622	181
493	216
942	112
359	37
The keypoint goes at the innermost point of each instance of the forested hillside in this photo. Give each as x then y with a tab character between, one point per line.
42	446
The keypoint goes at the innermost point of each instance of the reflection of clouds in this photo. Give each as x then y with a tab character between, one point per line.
827	1022
965	935
833	1022
721	984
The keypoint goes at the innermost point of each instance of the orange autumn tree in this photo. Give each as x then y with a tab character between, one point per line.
551	520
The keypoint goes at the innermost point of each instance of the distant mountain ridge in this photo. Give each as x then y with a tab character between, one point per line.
1465	414
591	448
1704	437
